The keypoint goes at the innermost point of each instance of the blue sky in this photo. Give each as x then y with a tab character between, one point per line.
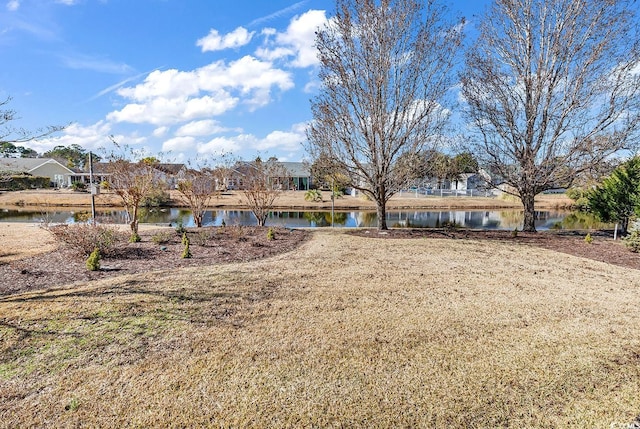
189	79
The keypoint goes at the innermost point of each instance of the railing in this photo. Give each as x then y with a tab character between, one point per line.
417	193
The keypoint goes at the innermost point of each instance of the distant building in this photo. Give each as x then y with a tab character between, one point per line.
59	175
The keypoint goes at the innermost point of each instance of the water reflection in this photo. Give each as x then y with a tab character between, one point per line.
504	219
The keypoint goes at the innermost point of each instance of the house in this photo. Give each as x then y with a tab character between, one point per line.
297	176
171	174
59	175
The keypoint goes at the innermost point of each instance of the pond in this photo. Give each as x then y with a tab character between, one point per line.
476	219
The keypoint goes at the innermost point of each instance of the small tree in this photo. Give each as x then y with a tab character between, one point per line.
617	199
199	187
262	182
132	181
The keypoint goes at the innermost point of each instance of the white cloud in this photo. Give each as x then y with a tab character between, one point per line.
179	144
289	141
222	145
102	65
279	13
13	5
215	42
172	96
284	140
160	131
90	137
297	42
205	127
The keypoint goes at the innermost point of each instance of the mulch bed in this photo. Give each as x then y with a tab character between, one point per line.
603	248
209	246
214	245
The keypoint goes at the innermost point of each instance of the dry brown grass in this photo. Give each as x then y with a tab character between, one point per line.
293	200
345	332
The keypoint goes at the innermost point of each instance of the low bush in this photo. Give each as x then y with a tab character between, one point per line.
162	237
588	238
313	195
93	261
271	235
84	238
632	241
186	253
203	237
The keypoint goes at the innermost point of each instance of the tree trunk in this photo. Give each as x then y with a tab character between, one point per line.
382	215
134	220
197	218
528	202
262	220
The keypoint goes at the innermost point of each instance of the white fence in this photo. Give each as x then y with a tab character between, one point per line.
417	193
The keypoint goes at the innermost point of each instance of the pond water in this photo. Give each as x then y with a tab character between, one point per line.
477	219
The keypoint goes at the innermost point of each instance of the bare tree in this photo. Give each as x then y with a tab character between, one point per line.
199	187
385	72
262	183
552	89
133	181
10	134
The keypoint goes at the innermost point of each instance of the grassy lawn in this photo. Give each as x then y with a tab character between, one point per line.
345	332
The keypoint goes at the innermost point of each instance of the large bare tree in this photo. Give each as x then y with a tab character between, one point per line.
385	71
552	89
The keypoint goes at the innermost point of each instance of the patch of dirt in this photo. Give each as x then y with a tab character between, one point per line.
603	248
208	246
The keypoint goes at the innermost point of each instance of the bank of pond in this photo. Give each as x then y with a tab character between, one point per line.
475	219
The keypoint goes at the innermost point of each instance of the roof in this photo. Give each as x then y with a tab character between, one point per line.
27	165
297	169
170	168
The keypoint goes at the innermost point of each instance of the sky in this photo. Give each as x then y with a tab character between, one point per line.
184	80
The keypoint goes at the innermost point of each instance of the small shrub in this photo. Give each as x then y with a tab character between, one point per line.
271	235
134	238
186	253
588	238
84	238
237	232
180	229
202	237
93	261
514	233
313	195
632	241
161	237
78	186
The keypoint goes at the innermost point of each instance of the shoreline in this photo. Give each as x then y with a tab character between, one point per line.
287	201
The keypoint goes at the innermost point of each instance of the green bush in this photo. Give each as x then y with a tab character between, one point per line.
93	261
588	238
22	182
313	195
271	235
78	186
186	253
632	241
161	237
157	198
135	238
